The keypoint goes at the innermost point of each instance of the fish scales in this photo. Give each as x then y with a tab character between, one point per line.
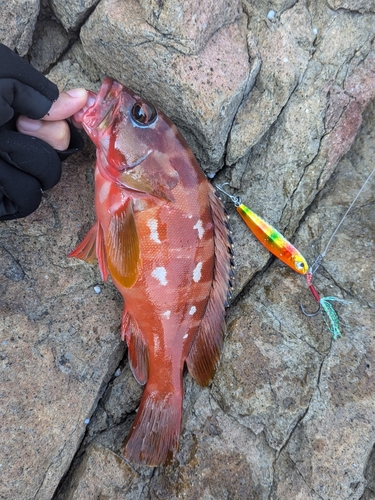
161	235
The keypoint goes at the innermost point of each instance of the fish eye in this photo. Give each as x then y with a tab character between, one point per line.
143	114
300	265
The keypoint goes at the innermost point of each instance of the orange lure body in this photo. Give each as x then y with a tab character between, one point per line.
161	235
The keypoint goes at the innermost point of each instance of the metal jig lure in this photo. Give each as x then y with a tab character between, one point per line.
277	244
270	237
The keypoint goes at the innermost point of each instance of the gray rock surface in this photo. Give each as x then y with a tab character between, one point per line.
72	13
18	19
290	413
202	91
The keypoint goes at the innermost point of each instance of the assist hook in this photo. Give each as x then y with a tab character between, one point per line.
316	296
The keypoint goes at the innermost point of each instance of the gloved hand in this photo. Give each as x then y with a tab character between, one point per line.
28	165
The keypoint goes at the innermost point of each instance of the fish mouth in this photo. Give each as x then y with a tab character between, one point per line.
103	105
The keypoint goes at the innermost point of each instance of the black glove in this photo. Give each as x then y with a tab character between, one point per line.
27	164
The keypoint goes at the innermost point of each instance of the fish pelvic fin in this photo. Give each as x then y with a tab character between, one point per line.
137	348
86	249
154	435
92	247
122	246
204	354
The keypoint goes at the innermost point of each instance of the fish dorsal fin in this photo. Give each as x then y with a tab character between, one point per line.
205	351
122	246
92	247
137	348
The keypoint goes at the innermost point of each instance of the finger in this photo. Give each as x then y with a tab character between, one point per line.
67	104
56	134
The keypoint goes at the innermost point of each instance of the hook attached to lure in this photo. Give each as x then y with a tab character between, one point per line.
286	252
316	296
274	241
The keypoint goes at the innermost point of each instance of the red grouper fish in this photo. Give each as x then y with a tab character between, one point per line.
162	235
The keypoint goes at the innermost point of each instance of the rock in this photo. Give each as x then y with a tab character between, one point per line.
17	23
59	339
49	42
189	26
101	474
290	412
201	92
76	70
357	6
279	178
73	13
287	46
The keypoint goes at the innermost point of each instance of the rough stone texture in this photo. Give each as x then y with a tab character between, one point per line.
285	48
356	6
290	413
189	25
72	13
201	92
59	340
285	169
18	19
49	42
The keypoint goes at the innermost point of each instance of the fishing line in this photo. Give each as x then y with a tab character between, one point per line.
315	266
277	244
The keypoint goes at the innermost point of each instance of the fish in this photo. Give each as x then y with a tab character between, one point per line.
270	237
162	236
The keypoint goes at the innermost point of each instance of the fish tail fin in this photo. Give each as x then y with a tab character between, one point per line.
154	436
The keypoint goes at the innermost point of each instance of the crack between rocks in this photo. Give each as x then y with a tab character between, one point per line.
287	440
304	480
56	459
81	446
16	261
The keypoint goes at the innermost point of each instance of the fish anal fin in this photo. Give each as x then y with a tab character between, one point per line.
122	246
86	250
137	348
154	435
204	354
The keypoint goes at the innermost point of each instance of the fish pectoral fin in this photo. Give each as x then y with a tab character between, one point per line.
86	249
122	246
137	348
205	351
92	247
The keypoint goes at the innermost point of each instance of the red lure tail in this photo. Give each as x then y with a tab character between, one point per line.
154	436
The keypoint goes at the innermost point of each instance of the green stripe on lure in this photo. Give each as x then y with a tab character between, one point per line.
274	241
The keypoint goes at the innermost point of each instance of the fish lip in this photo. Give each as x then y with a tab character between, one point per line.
105	100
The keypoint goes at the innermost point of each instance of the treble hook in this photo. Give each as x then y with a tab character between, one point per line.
316	296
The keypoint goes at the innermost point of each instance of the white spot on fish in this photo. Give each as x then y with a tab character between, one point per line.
153	226
197	273
185	336
199	227
160	274
192	310
104	191
167	314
